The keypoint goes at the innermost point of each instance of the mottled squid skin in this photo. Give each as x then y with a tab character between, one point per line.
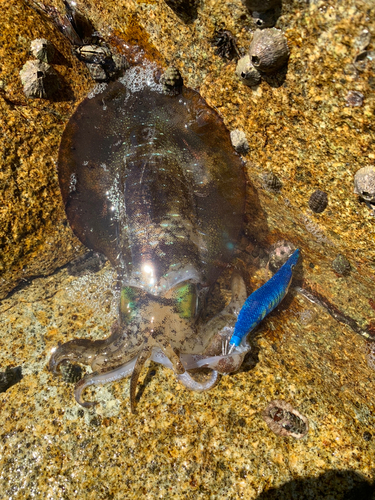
151	181
263	301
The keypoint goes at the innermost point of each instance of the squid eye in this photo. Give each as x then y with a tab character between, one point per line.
128	303
185	297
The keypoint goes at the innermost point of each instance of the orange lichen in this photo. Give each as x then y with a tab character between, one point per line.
135	41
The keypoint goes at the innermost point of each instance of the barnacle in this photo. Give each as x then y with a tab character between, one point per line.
245	70
226	45
172	80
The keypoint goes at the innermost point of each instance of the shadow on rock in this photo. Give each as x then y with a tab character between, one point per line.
332	485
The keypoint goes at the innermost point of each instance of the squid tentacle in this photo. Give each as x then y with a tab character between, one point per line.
97	378
190	383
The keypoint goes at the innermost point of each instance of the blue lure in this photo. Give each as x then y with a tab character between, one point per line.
263	301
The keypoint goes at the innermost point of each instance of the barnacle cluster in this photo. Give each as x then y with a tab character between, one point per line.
280	253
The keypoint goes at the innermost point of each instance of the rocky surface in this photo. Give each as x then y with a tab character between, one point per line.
34	236
186	445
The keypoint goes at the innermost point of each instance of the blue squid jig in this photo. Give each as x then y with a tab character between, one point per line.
263	301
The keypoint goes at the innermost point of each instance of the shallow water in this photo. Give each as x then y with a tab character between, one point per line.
310	352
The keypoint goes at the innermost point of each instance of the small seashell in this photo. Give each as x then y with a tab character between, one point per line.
186	10
39	80
71	373
171	80
239	141
121	64
364	59
341	265
354	98
364	183
97	72
42	49
363	40
264	12
268	50
280	253
284	420
94	54
265	19
245	70
367	436
318	201
271	182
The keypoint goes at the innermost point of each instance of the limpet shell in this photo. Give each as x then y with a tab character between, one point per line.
268	50
42	49
39	80
245	70
364	183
